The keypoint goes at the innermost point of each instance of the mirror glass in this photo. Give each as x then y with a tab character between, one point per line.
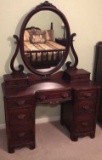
44	40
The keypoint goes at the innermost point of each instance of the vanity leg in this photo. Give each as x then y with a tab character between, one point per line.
92	135
61	115
32	146
61	122
73	137
11	150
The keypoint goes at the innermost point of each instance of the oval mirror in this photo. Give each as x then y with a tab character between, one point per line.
44	39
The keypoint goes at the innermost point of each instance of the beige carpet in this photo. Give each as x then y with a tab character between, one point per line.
53	143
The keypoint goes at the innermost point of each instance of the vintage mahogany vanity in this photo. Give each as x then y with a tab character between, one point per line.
72	88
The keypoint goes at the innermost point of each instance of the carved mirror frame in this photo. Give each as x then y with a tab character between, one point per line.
46	6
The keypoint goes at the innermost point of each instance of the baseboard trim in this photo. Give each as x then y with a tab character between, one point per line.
2	126
39	121
47	119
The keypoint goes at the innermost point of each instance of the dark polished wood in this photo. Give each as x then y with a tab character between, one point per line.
68	42
61	41
78	101
72	88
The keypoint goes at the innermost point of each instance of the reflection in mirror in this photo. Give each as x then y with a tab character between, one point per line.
42	40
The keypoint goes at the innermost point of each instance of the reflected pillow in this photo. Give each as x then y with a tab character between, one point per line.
28	33
38	36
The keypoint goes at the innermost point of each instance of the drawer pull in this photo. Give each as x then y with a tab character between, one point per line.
84	124
20	135
21	116
86	107
88	95
79	77
54	102
19	103
65	95
42	98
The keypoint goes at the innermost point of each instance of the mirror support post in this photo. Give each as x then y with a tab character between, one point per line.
21	68
68	64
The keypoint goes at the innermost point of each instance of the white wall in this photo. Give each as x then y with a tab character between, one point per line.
84	17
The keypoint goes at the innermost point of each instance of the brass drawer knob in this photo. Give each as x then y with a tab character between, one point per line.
19	103
21	116
86	107
54	102
84	124
88	95
42	98
20	135
65	95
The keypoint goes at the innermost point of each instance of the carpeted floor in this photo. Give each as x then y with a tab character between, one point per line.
53	143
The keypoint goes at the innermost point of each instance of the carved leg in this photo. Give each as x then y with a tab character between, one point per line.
61	121
92	135
61	115
73	137
11	150
32	146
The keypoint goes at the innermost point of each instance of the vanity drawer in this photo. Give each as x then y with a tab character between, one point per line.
22	82
19	101
53	96
80	77
77	75
21	116
86	94
15	80
85	107
22	137
85	124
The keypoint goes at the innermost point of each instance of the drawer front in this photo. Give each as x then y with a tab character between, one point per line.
21	116
80	77
22	137
53	97
85	107
85	94
85	124
20	101
16	82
